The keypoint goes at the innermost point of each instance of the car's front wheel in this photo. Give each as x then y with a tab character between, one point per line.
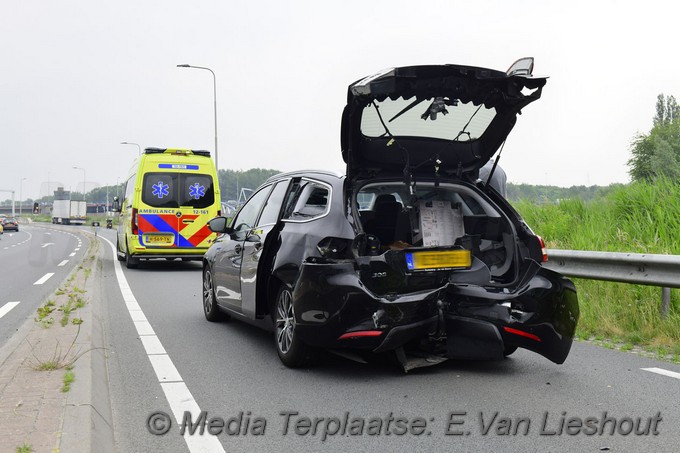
292	352
210	308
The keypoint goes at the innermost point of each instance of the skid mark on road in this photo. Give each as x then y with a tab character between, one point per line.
176	391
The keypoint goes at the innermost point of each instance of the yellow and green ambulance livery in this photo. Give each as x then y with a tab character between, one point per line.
170	195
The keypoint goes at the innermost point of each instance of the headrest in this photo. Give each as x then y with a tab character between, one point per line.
385	198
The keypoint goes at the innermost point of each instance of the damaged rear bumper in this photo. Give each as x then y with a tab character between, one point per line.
334	309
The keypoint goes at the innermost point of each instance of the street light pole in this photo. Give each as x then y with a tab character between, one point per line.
139	148
84	179
214	101
21	186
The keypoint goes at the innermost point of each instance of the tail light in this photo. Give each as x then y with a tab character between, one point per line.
333	248
133	222
544	252
360	334
522	333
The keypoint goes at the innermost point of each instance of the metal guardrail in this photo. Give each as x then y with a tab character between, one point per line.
636	268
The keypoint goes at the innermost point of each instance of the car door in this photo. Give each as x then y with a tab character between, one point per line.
227	265
253	246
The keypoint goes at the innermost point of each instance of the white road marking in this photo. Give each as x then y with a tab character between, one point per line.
44	278
152	344
47	244
177	393
63	263
164	368
663	372
76	249
73	254
7	307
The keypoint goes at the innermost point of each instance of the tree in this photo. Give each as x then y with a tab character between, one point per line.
657	153
667	110
232	181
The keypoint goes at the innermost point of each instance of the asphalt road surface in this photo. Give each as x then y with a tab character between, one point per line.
33	262
164	357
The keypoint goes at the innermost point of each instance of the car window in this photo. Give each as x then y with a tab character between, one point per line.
130	188
271	210
310	201
245	220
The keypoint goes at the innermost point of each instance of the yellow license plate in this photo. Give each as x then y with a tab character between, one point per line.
159	239
438	260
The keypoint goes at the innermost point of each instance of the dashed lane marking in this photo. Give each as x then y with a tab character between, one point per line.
63	263
44	278
7	307
663	372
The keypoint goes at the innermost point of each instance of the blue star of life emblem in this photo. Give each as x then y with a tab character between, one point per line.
161	190
196	191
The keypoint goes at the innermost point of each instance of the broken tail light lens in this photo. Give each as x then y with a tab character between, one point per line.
544	251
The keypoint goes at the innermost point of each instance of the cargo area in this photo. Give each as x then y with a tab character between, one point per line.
443	218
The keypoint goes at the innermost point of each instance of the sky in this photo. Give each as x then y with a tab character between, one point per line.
79	77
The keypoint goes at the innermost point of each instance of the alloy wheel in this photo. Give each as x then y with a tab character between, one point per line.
285	321
208	291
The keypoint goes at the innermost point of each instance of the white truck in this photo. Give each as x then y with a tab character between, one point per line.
66	212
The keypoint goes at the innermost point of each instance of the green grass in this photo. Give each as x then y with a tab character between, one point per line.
69	377
637	218
25	448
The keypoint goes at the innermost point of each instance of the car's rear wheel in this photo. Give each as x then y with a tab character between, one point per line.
210	308
292	352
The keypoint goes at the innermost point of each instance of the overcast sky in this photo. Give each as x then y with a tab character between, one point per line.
79	77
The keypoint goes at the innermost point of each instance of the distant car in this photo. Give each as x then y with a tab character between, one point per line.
10	223
409	252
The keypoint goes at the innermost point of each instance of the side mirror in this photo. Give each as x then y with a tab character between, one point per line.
116	204
219	225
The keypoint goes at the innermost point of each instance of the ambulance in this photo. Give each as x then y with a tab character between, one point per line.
170	195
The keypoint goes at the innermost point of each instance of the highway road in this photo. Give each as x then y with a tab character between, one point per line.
164	356
33	262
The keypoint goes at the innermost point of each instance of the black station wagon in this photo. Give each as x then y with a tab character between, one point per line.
408	252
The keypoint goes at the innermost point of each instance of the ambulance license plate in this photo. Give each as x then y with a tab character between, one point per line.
159	239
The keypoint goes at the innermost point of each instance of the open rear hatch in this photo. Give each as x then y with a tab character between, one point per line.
432	120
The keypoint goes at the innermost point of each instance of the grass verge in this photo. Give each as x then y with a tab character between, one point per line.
637	218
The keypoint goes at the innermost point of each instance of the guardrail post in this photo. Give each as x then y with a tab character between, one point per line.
665	302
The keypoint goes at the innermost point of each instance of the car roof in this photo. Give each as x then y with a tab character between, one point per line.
303	173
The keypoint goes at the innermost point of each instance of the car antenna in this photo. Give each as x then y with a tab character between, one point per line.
493	168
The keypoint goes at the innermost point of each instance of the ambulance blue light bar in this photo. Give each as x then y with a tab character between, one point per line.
178	166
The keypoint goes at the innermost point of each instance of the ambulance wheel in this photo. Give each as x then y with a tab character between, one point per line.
130	261
118	255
